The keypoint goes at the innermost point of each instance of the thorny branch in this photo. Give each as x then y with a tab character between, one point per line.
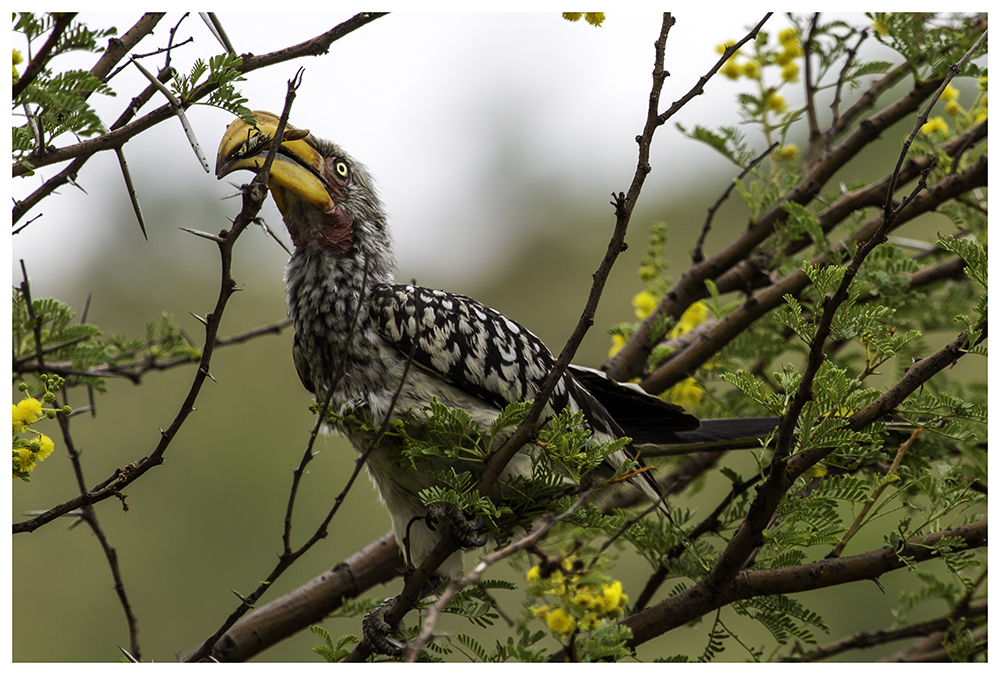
253	199
522	435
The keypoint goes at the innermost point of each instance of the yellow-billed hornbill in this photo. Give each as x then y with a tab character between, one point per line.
355	331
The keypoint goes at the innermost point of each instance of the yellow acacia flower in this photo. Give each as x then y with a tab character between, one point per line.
789	35
881	27
695	314
613	596
594	18
687	393
45	447
25	460
560	622
541	611
533	574
982	83
617	342
731	69
952	108
586	599
644	303
949	94
935	125
25	412
788	152
726	45
752	69
790	72
775	103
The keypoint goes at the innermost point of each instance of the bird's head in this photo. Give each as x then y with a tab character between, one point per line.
326	199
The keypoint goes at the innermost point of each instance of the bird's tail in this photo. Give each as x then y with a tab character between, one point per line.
731	433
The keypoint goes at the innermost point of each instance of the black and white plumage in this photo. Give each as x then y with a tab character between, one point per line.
355	330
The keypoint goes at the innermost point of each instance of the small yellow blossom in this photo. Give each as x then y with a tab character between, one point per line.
541	611
644	303
952	108
792	50
613	596
981	115
17	59
935	125
775	103
589	621
687	393
788	152
726	45
695	314
586	599
25	412
25	460
816	471
45	447
533	574
982	83
949	93
560	622
790	72
594	18
752	69
731	69
617	342
572	16
788	35
881	27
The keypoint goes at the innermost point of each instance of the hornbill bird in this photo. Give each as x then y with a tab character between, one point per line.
356	333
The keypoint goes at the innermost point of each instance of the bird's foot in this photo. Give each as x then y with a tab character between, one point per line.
376	631
465	529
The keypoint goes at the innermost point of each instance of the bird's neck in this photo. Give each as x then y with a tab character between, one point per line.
328	297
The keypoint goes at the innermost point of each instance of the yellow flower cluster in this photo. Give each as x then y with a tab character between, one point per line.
960	117
579	601
28	452
790	49
593	18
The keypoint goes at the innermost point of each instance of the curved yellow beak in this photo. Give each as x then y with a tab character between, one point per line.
298	166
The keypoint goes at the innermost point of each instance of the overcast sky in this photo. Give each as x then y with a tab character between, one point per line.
452	113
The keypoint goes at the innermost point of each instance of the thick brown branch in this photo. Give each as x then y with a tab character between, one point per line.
377	563
699	600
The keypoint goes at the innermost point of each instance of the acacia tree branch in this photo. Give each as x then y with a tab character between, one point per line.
253	199
41	58
695	602
715	337
630	360
316	46
115	52
867	640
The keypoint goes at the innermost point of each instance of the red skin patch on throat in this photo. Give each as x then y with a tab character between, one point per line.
335	235
337	238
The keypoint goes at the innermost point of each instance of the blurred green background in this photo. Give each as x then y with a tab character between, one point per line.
209	519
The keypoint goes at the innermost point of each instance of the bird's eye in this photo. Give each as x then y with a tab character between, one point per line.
341	168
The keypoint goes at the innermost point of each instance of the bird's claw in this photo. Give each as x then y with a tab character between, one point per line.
376	631
465	530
